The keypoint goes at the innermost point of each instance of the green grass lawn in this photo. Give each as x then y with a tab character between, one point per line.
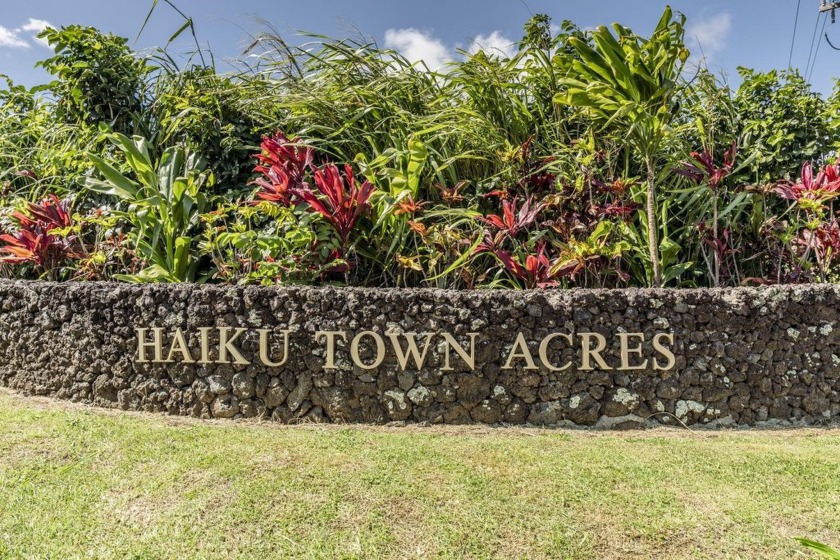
78	482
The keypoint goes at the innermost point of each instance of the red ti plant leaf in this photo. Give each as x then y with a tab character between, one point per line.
617	187
534	176
338	198
501	194
828	240
537	271
512	265
490	243
812	192
34	243
703	168
511	221
824	241
50	214
615	209
283	164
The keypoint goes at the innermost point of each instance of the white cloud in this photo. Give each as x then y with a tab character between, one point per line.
494	44
710	33
418	45
35	26
11	38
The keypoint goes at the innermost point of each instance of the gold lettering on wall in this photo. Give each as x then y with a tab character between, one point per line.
204	332
664	351
179	345
413	350
520	350
380	350
544	351
451	343
227	345
589	352
626	351
265	351
330	336
156	345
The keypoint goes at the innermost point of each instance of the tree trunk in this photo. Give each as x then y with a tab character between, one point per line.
717	254
653	241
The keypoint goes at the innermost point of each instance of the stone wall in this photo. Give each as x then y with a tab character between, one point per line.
709	357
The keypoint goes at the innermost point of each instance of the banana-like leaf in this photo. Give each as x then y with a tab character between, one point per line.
116	184
137	156
418	155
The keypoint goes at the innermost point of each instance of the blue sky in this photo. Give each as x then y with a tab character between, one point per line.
754	33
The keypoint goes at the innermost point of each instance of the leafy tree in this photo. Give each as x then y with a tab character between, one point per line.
99	80
833	117
538	33
631	84
783	124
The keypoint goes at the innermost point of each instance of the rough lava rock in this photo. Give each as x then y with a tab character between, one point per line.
743	356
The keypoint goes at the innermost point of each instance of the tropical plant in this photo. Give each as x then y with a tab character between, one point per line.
579	158
163	205
44	238
783	123
338	198
704	171
811	193
631	84
210	114
99	80
283	164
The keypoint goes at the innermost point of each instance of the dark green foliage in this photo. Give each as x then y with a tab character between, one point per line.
39	153
538	32
782	123
211	114
99	79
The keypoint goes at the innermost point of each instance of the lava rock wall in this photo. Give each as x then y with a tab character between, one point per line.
741	356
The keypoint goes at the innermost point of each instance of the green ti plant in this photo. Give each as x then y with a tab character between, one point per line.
397	174
163	206
631	84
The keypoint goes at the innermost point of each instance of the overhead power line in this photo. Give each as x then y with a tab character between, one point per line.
829	6
832	7
813	39
817	52
795	25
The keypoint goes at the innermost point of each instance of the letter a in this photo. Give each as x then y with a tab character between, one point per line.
520	350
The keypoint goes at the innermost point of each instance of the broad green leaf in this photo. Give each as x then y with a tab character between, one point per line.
120	185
